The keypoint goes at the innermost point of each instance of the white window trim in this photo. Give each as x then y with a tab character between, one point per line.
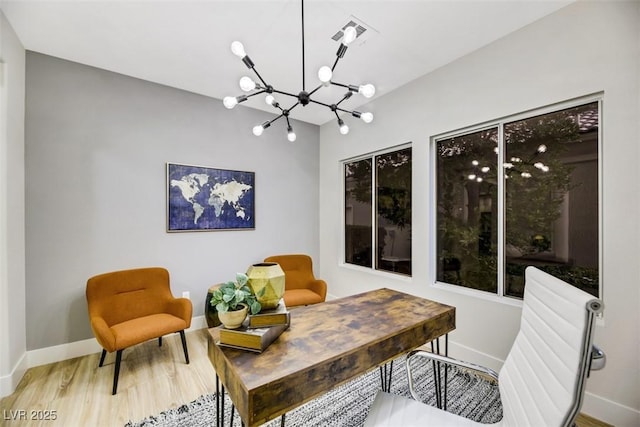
499	123
343	256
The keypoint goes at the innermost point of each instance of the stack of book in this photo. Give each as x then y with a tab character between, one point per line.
258	330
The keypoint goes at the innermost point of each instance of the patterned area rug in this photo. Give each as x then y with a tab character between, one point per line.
348	404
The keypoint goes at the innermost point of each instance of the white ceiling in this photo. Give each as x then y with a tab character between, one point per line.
186	44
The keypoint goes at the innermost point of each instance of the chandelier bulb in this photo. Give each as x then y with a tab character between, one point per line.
367	90
238	49
247	84
230	102
257	130
291	135
344	129
325	74
350	35
542	148
366	117
269	99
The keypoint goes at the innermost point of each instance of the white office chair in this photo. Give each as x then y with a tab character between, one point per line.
543	378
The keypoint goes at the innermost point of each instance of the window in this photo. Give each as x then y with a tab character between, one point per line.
522	192
389	247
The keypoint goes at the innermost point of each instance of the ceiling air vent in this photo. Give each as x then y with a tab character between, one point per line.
363	30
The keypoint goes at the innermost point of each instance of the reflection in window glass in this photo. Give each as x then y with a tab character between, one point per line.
357	215
393	211
467	210
551	198
547	186
387	245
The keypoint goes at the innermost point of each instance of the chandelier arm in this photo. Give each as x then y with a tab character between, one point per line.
256	93
352	88
273	120
285	93
335	63
345	111
320	103
303	78
344	98
259	76
315	90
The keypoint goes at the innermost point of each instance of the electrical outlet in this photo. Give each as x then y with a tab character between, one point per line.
185	294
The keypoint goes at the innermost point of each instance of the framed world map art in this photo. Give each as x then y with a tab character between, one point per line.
205	199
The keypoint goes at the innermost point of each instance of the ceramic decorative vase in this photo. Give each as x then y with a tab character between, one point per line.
270	277
233	319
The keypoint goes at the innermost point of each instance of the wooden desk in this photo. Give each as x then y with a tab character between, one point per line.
327	345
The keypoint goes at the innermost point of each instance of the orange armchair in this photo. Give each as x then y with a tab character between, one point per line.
301	287
130	307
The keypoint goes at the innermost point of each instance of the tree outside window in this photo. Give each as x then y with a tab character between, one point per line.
548	186
392	214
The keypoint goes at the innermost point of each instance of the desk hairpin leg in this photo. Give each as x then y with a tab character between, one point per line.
217	400
441	399
220	406
220	415
385	376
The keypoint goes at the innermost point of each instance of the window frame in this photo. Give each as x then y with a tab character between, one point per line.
500	296
374	213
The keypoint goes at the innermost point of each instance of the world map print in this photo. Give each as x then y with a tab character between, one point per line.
201	198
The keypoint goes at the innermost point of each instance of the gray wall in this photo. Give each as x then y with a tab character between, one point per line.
585	48
12	221
96	148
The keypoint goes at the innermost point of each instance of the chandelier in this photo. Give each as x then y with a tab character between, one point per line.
304	98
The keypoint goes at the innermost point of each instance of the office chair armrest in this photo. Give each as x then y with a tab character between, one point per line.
447	361
598	358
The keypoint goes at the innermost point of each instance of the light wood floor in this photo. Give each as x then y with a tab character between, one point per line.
152	379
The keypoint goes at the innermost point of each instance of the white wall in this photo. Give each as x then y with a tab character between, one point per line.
585	48
12	226
96	148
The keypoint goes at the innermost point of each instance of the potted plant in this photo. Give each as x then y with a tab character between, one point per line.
233	300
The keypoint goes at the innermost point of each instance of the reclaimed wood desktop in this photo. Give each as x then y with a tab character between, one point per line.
326	345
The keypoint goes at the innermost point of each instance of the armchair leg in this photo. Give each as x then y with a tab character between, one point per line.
117	371
102	356
184	345
159	341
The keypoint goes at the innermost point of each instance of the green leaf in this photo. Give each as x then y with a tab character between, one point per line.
228	297
240	295
222	307
255	307
241	279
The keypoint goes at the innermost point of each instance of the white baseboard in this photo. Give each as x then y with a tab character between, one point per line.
610	412
468	354
8	383
57	353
